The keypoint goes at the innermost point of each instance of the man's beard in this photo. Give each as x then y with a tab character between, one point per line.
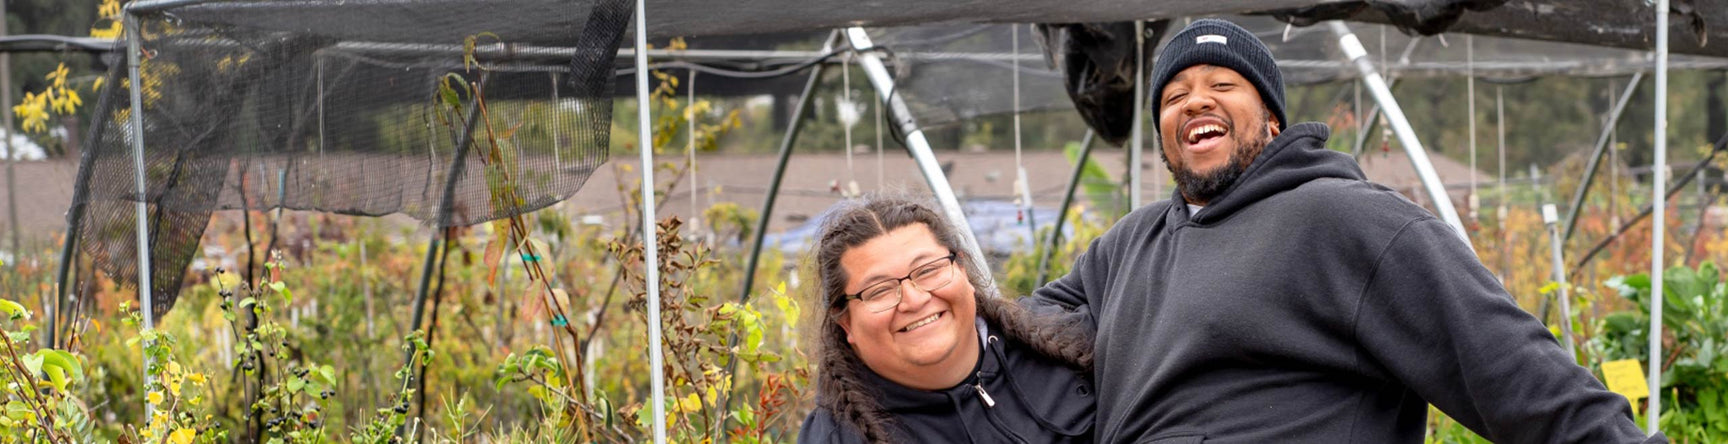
1200	188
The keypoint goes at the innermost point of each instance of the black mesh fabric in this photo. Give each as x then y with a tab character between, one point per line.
336	107
952	73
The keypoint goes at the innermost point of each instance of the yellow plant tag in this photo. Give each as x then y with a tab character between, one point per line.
1626	377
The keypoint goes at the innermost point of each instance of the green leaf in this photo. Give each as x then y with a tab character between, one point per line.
57	377
18	411
746	416
32	362
787	305
283	289
1707	271
13	310
1634	288
329	374
449	95
63	360
295	385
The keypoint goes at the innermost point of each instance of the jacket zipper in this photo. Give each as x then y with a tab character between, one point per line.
988	401
990	410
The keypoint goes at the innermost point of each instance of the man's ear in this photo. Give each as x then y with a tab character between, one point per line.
1272	125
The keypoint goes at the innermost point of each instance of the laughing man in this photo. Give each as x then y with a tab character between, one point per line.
1279	296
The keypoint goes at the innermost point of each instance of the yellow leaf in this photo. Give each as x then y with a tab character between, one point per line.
112	31
182	436
690	403
153	398
174	387
197	378
57	77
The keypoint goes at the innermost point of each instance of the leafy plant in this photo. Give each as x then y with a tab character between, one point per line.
1695	365
702	336
174	394
386	421
36	404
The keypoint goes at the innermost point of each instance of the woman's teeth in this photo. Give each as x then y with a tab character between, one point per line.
921	323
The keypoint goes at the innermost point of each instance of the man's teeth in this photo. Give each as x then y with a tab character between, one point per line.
922	323
1194	134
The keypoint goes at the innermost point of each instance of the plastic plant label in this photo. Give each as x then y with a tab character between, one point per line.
1626	377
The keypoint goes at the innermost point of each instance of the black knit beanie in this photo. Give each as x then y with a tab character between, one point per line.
1219	43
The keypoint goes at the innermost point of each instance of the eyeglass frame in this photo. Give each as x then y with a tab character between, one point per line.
953	259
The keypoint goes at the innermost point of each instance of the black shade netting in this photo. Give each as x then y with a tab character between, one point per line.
360	108
948	74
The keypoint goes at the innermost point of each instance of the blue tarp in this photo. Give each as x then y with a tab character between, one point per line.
996	223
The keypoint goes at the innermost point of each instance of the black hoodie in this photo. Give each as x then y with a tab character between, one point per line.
1306	304
1014	395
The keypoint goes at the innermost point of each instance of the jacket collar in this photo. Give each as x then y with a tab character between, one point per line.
899	397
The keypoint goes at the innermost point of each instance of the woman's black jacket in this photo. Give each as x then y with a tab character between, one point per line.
1014	395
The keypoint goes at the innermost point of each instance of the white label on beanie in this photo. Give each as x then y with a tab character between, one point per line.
1211	38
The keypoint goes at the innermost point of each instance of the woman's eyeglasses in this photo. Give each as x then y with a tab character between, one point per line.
884	295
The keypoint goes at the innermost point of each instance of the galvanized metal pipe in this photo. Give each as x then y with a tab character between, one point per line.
650	244
147	306
1659	182
919	148
11	152
148	6
1137	132
1406	135
1550	217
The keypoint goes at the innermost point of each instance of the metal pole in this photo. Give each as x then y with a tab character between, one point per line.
919	148
1470	87
1138	130
11	153
1596	157
1406	135
1501	210
147	306
1659	182
1062	213
650	244
793	128
1367	122
1550	217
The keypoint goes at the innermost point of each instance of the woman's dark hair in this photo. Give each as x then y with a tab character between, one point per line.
839	384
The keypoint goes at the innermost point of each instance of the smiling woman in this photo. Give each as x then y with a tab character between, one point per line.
910	351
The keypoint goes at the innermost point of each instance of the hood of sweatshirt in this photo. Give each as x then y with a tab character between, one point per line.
1298	155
